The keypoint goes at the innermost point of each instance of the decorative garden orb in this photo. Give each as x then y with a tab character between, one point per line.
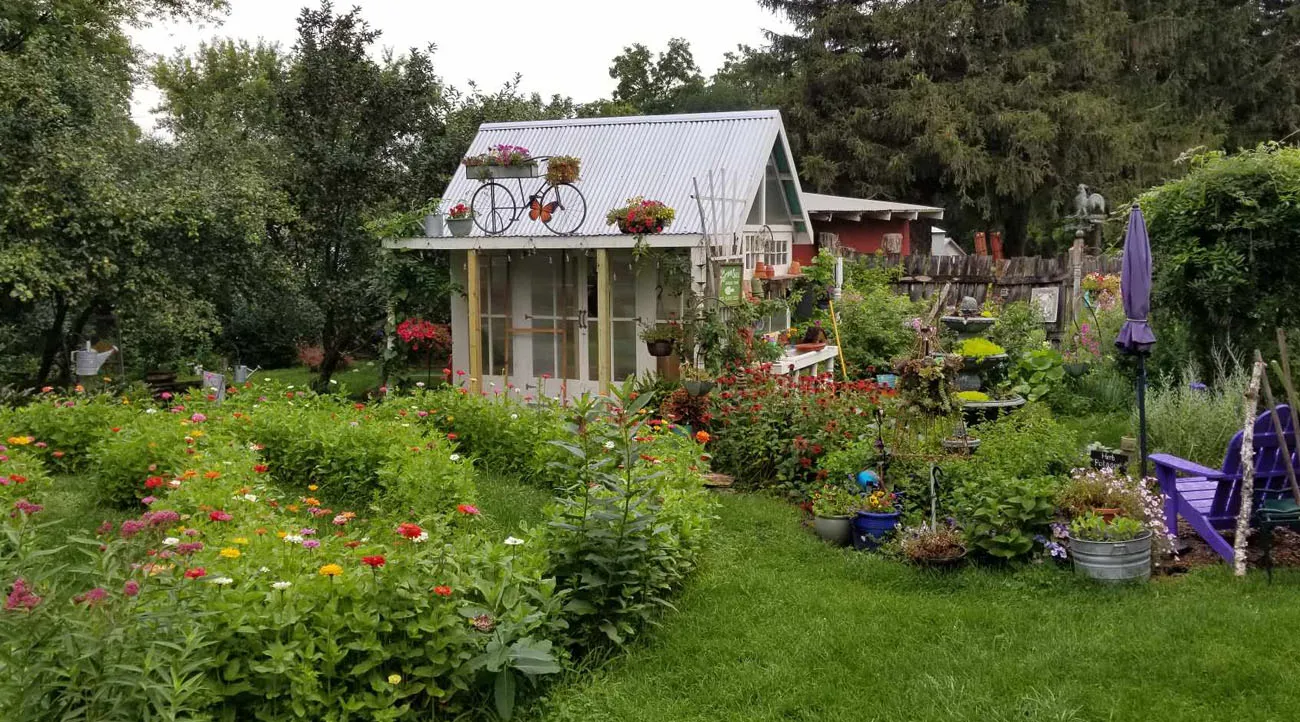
969	306
868	479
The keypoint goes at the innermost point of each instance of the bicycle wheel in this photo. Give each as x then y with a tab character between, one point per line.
494	208
570	209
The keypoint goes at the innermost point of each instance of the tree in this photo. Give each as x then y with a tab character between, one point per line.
345	118
655	84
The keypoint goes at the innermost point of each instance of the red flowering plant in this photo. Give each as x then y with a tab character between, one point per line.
774	431
640	216
501	155
460	212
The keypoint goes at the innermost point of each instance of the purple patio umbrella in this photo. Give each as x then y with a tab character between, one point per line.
1135	336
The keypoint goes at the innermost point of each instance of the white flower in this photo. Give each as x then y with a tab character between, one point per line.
514	541
455	457
289	386
174	483
267	378
293	539
221	581
365	539
171	541
609	444
514	416
151	411
250	497
281	586
333	381
419	384
264	570
424	536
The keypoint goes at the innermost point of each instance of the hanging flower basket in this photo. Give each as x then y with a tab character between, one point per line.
562	169
501	161
640	216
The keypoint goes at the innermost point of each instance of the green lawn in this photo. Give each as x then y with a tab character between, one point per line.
362	377
778	626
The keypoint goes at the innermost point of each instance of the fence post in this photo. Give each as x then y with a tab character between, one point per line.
1076	276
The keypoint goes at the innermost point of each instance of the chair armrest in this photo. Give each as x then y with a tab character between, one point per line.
1186	467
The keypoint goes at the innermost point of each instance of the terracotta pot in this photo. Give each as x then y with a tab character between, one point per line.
806	347
1108	514
795	268
760	270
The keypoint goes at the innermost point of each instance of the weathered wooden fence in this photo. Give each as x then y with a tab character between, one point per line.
1009	279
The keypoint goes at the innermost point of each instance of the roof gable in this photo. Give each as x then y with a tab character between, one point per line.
651	156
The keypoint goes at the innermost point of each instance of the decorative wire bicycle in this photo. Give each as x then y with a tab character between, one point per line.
559	206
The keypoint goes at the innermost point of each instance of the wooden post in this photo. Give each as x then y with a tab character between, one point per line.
1076	278
1277	429
604	322
473	297
1247	471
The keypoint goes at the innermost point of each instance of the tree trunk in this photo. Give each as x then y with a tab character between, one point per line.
331	345
1247	471
53	339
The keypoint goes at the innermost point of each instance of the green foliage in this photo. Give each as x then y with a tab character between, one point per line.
1193	416
874	322
927	384
1027	443
68	427
978	348
1019	328
147	446
625	534
1001	515
1040	374
834	500
1222	239
1093	527
505	437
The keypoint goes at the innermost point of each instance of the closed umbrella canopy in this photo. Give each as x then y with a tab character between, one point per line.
1136	335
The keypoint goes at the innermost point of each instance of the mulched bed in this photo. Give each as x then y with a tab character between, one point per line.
1286	551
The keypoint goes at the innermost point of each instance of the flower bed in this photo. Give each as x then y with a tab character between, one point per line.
293	555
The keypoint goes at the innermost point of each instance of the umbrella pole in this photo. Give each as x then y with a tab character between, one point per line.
1142	412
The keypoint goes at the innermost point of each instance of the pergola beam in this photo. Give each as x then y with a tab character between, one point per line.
473	295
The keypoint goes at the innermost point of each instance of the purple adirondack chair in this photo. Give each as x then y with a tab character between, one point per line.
1209	499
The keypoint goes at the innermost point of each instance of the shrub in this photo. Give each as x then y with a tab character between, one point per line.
67	427
1003	516
875	326
1192	419
1027	443
622	539
1019	328
505	437
148	447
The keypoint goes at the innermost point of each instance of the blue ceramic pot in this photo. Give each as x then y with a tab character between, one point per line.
870	527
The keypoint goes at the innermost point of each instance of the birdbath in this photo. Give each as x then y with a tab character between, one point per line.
969	324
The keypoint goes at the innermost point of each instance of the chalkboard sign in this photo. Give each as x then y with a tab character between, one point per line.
1108	459
731	282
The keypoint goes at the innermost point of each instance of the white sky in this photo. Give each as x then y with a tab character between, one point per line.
560	46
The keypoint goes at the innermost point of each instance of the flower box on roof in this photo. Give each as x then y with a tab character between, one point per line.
501	161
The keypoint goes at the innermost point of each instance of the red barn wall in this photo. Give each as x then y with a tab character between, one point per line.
865	236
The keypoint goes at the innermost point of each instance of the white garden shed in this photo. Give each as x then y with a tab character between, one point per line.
563	310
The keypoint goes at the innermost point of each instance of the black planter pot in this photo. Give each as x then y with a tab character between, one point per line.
622	228
660	348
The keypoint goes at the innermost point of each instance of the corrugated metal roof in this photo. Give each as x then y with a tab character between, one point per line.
819	203
651	156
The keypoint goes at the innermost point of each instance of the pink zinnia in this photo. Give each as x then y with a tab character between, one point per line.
131	527
467	509
198	418
131	588
311	544
219	515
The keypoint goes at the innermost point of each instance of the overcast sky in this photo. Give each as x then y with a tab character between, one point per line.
560	46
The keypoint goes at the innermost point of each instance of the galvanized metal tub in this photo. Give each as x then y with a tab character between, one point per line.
1107	561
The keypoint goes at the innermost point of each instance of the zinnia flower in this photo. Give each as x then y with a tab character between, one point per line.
131	588
409	530
311	544
195	573
281	586
374	562
219	515
221	581
469	509
331	570
230	553
442	591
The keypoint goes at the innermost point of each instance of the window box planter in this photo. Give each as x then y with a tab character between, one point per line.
490	172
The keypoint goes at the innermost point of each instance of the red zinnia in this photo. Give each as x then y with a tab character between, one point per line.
374	562
451	437
261	468
195	573
409	530
219	515
442	591
153	482
467	509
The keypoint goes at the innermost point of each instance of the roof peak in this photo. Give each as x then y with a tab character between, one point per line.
637	119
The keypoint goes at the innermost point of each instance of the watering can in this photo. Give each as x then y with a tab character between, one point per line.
243	373
88	361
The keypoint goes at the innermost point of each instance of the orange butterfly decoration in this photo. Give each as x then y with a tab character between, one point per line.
536	210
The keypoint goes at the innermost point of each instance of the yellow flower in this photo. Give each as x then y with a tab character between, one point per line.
240	540
230	553
312	487
310	501
394	679
196	434
331	570
19	440
282	534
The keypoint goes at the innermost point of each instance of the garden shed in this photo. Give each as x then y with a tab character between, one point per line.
560	304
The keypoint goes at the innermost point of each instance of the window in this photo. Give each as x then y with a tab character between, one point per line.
777	248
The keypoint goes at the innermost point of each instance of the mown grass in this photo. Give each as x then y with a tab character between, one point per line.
778	626
355	381
509	505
